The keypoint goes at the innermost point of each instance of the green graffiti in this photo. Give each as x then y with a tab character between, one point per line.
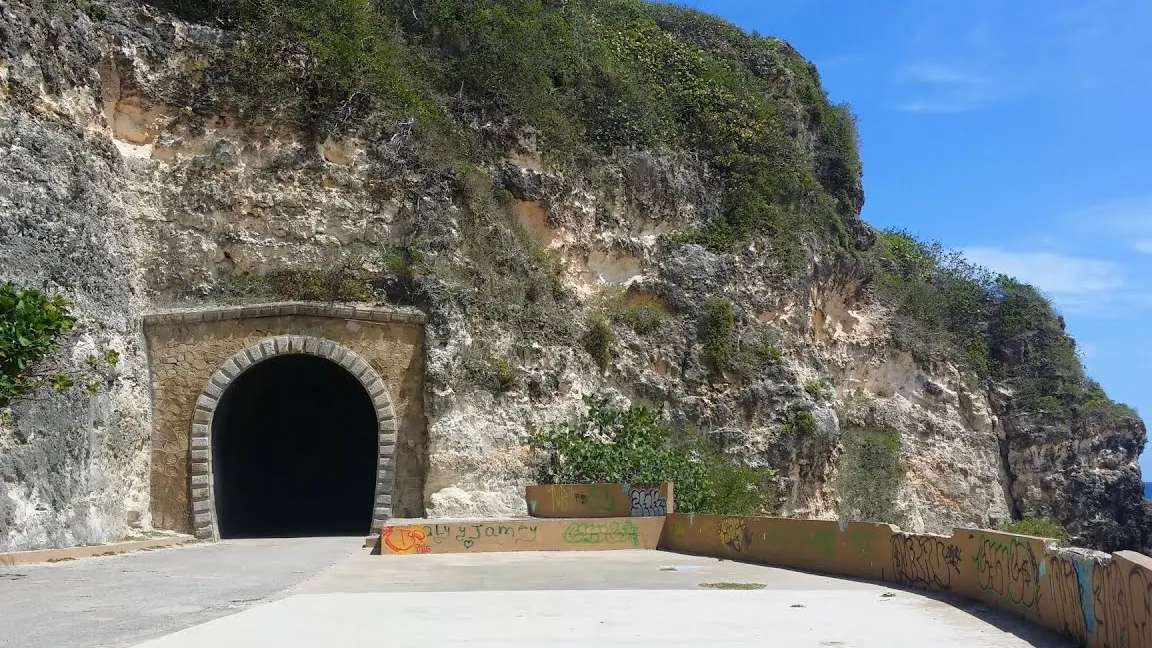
861	540
602	533
824	541
1007	569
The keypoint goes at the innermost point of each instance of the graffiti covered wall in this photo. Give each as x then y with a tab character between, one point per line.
1102	601
599	500
483	536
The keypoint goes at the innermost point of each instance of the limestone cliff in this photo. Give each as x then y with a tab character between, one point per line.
133	177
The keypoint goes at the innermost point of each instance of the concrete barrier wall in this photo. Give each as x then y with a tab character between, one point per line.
599	500
1099	599
483	536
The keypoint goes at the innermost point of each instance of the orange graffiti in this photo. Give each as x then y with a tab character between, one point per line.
405	540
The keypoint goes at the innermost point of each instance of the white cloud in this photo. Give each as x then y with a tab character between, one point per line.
1057	274
1143	245
943	88
936	73
936	107
1126	216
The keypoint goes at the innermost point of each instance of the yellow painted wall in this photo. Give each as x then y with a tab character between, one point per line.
599	500
1102	601
482	536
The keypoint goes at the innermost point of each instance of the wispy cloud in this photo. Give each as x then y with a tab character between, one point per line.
1128	220
938	88
1128	215
1081	285
1056	274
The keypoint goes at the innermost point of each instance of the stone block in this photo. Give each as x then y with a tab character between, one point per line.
199	455
200	468
206	402
199	480
199	442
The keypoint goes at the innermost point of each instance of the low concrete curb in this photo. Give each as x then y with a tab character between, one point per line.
13	558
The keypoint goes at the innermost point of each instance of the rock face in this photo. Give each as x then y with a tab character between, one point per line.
114	194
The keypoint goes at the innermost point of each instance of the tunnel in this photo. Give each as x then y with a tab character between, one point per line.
294	447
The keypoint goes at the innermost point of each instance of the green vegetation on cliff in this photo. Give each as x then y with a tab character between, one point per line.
1002	329
635	446
594	76
590	75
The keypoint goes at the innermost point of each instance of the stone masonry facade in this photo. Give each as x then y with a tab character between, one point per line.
194	356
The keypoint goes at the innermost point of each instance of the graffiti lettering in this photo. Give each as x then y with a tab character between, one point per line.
602	533
924	561
734	533
647	502
1008	570
599	498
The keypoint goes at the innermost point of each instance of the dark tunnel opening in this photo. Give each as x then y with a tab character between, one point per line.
294	448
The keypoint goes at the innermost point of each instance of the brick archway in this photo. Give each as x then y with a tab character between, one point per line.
203	496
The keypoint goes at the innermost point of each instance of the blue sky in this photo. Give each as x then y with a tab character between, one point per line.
1020	132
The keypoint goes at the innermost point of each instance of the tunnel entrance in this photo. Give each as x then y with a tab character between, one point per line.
294	451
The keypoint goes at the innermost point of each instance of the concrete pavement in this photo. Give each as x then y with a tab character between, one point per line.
330	593
808	618
119	601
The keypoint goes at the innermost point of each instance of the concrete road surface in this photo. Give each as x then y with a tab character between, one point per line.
327	593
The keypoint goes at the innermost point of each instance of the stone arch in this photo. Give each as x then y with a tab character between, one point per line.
200	440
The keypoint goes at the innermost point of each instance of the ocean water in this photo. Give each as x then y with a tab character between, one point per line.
1148	490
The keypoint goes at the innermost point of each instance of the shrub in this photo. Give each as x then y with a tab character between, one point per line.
505	376
870	475
340	280
716	325
801	423
815	389
642	313
599	341
633	445
1038	527
32	326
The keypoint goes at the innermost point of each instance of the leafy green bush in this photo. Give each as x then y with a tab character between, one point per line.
716	325
31	327
634	446
870	475
599	341
1038	527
